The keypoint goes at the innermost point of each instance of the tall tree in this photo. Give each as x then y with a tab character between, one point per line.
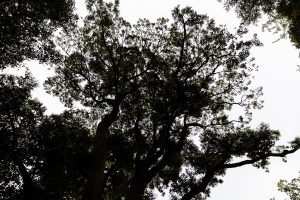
162	93
26	27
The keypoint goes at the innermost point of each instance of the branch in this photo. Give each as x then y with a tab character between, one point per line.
114	65
254	160
197	188
167	156
179	64
195	124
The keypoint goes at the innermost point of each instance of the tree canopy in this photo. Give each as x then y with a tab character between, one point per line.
26	27
158	97
40	155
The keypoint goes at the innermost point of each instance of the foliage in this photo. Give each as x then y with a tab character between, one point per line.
41	157
26	27
19	115
286	12
161	93
292	188
64	141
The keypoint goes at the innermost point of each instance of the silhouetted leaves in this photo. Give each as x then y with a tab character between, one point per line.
283	15
26	27
291	188
41	157
155	86
160	95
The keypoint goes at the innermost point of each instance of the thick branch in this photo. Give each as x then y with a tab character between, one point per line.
201	187
254	160
195	124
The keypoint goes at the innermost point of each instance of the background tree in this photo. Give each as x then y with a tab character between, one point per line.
283	15
292	188
63	142
41	157
26	27
162	93
19	115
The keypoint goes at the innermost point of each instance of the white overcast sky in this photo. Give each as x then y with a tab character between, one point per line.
277	74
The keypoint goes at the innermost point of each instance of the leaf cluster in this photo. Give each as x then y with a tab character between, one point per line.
283	15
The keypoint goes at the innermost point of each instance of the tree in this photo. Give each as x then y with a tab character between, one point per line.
292	188
18	120
162	93
26	27
40	155
283	15
63	142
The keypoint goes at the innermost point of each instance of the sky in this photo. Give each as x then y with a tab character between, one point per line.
277	74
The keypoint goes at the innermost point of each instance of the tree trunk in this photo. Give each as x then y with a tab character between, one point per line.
137	188
30	192
94	187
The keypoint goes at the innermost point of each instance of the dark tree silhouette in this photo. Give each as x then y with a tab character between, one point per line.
19	115
41	156
26	27
64	141
161	93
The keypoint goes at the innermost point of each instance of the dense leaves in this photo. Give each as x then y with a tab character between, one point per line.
26	27
41	157
19	115
64	142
